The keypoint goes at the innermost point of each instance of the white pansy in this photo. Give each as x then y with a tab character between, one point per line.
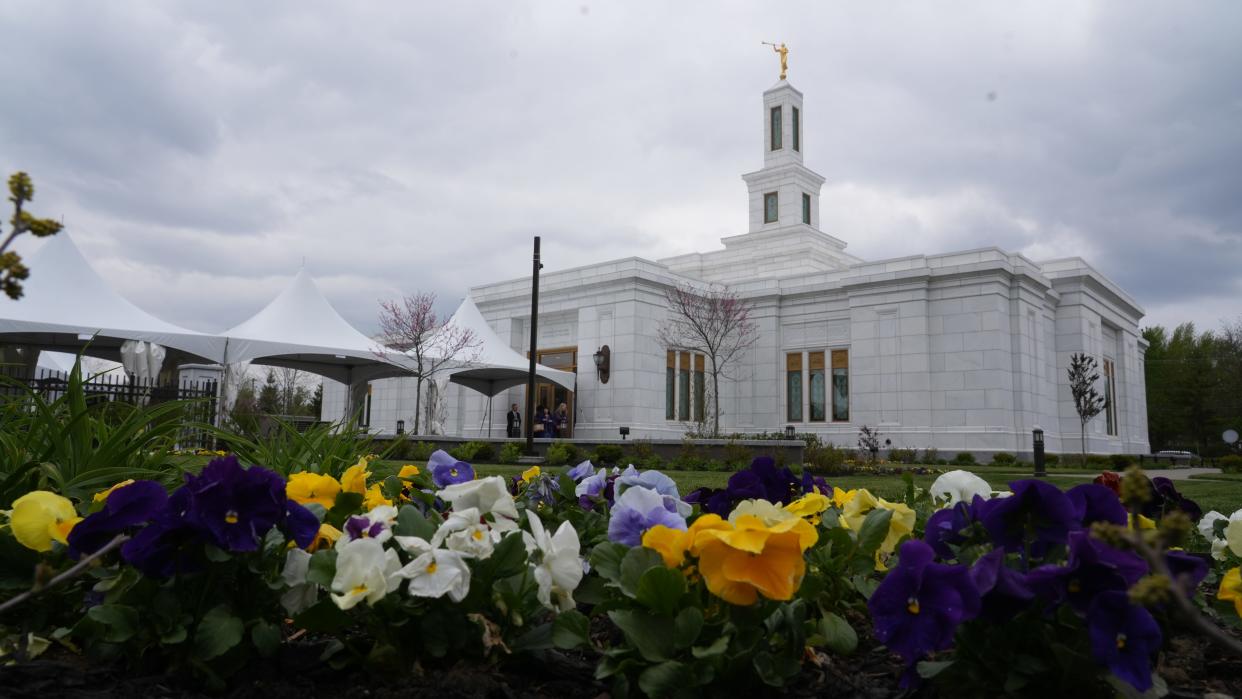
1207	525
1219	547
300	594
414	545
465	533
384	513
488	496
558	566
437	573
365	570
1233	533
958	486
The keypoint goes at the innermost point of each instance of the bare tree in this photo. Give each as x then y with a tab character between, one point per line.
714	322
1083	375
410	325
12	271
293	388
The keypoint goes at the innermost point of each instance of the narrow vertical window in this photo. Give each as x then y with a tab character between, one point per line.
806	208
670	386
683	387
797	130
770	207
818	392
840	385
1110	398
793	387
700	389
775	127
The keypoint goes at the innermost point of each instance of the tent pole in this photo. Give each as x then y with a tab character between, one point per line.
534	339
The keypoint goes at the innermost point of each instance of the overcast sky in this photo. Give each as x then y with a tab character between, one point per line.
198	152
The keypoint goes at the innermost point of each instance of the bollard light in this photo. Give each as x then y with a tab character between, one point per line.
400	426
1037	436
789	432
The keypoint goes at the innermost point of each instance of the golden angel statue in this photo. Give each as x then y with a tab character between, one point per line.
784	53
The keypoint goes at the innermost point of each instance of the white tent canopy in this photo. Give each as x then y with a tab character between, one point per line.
301	330
67	306
496	366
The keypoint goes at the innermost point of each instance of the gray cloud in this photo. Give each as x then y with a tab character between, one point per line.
200	152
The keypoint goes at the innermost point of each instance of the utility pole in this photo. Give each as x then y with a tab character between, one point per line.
534	339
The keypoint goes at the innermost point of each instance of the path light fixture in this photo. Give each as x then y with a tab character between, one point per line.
603	361
1037	436
789	432
400	426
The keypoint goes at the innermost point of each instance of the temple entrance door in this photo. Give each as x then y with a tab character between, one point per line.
551	395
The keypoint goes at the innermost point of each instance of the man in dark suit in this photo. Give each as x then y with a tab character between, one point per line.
513	421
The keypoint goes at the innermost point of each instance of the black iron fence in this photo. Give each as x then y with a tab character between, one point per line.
115	387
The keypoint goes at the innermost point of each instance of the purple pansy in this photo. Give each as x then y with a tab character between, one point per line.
582	470
1037	517
363	528
1124	637
235	506
651	480
446	471
169	544
1004	591
1096	503
920	603
639	509
1166	498
1093	567
945	528
1186	568
125	507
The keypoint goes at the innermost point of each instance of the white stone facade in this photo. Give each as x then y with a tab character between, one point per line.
963	351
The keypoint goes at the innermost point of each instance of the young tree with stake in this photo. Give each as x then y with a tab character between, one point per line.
714	322
1083	376
411	325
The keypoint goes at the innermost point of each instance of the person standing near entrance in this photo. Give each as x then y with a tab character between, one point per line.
513	422
540	419
562	421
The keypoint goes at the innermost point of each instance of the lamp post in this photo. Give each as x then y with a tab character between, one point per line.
1037	436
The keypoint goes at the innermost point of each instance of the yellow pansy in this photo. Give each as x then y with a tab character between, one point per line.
407	471
674	544
1231	589
40	517
305	488
809	506
841	497
901	524
530	474
354	480
1141	521
769	512
102	496
325	538
750	558
374	497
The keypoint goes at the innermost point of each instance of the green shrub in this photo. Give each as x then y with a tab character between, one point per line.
643	454
736	455
964	458
472	452
1051	460
561	454
1120	462
417	451
903	456
825	459
510	453
608	455
1002	458
931	455
1230	464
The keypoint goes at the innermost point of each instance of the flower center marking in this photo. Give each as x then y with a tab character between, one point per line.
431	569
478	535
1121	641
230	517
358	590
1075	585
912	605
453	472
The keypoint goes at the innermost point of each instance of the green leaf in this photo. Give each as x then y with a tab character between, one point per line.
775	670
591	590
928	669
120	621
571	630
716	649
666	679
323	617
661	589
636	562
346	504
391	488
839	636
508	558
873	530
606	560
177	635
646	633
322	568
411	522
266	638
686	627
217	633
215	554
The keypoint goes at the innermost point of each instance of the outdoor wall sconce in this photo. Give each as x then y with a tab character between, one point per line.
789	432
625	432
603	359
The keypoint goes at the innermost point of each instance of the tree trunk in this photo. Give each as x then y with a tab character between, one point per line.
715	399
418	402
1084	444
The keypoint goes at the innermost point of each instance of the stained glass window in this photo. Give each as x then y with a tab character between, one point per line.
776	128
840	385
770	210
793	387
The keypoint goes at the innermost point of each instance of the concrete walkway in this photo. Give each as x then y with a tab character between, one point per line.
1178	474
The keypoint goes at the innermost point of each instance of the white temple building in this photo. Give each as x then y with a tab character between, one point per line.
962	351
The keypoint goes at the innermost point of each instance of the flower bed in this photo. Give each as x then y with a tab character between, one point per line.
616	580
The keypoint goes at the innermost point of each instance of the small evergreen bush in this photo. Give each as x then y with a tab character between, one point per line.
561	454
964	458
1230	464
510	453
1002	458
608	454
903	456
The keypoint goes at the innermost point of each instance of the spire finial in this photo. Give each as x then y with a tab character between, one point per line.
784	53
